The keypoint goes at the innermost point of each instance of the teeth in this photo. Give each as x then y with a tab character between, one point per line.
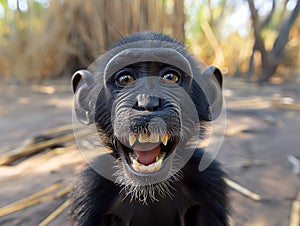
164	139
147	169
132	156
136	164
161	156
154	138
132	139
143	138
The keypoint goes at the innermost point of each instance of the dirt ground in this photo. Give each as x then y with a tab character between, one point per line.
258	140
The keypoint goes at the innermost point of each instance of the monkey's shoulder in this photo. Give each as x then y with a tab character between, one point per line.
202	173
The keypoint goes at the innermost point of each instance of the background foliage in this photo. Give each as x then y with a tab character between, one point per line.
45	39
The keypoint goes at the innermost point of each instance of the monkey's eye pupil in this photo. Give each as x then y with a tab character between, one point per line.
125	79
170	77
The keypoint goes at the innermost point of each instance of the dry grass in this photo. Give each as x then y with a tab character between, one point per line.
70	35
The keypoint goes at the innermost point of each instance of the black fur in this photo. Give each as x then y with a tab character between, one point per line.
196	199
199	200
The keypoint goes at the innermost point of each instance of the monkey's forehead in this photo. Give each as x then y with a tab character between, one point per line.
142	51
135	55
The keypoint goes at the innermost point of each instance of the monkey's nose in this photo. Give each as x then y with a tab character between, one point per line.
147	103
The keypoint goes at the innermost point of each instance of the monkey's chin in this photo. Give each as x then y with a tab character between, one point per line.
147	187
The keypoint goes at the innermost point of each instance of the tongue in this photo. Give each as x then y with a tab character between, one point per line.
146	156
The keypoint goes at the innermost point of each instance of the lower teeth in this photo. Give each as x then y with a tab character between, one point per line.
154	167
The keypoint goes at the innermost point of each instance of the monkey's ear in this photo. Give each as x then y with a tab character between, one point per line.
213	82
82	83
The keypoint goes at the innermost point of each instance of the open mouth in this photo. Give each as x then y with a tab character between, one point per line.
146	152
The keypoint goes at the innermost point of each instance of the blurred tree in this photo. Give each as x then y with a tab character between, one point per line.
178	21
205	20
270	59
53	38
211	29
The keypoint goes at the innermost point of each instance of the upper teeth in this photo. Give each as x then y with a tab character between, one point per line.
154	138
132	139
164	139
145	137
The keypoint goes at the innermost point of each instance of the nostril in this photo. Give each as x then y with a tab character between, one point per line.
147	103
154	108
136	106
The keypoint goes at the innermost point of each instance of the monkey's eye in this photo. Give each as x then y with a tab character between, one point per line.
125	77
171	77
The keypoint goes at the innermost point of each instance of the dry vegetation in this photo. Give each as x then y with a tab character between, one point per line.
53	41
70	35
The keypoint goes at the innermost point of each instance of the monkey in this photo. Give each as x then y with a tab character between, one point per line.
149	102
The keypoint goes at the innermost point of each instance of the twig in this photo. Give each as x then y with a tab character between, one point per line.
26	166
50	132
231	221
286	106
296	164
34	200
244	191
31	149
295	212
45	191
55	213
248	163
237	129
250	103
43	89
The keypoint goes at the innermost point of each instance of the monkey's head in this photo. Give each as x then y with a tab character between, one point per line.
149	101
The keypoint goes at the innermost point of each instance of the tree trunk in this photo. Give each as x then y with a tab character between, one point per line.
278	48
255	46
270	60
179	20
251	64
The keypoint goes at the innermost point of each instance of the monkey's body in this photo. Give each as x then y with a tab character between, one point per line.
150	103
198	200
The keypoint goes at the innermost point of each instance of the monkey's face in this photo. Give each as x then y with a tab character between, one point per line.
151	115
149	111
146	105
